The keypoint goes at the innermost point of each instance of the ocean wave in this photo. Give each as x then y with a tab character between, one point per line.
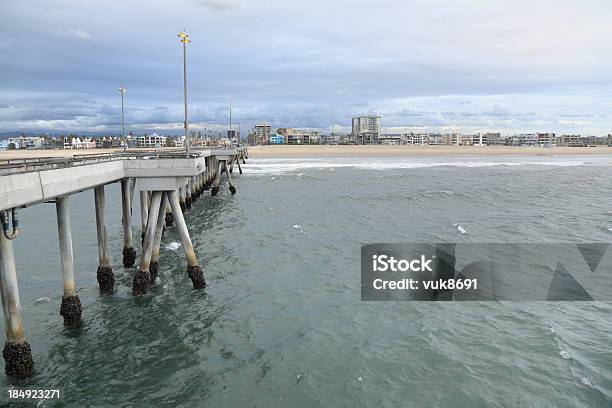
279	166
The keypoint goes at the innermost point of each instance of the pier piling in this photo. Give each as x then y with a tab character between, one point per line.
144	214
142	278
17	352
181	194
169	217
129	253
215	188
70	309
159	228
206	176
232	189
188	194
106	278
239	168
193	269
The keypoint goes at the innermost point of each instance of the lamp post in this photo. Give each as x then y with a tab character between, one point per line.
123	90
185	39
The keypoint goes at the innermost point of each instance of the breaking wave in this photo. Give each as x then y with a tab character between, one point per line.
280	166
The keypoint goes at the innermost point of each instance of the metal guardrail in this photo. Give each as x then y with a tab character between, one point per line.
18	166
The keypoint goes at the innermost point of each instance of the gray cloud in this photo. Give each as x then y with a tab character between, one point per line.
216	4
76	33
445	64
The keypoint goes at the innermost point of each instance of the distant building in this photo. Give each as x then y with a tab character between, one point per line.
150	141
545	139
275	138
493	139
79	143
366	129
332	139
390	139
262	133
416	138
570	141
178	142
435	139
300	136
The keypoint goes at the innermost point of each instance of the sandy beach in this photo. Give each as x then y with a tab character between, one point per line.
289	151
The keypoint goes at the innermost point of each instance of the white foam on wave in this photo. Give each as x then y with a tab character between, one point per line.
173	246
280	166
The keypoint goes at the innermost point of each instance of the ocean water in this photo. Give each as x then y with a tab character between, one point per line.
281	323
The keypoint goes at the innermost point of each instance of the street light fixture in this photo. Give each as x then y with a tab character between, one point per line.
123	90
185	39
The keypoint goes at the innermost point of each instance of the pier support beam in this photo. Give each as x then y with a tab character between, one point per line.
129	253
207	173
215	188
169	217
188	194
193	269
71	308
142	279
182	198
239	168
232	189
159	229
195	191
17	352
106	278
144	213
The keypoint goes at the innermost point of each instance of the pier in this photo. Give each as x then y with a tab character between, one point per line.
166	182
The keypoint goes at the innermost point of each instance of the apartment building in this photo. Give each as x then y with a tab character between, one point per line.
366	129
150	141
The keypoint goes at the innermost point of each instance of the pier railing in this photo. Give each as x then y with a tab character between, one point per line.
25	165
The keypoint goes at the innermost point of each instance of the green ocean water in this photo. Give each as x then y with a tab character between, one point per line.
281	323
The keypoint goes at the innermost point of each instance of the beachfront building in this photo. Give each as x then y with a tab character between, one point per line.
570	141
332	139
435	139
545	139
366	129
276	138
416	138
300	136
22	142
150	141
480	139
79	143
493	139
391	139
262	133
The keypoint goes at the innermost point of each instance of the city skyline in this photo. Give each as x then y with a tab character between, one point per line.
444	66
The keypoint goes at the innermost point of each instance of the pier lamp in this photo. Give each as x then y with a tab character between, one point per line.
123	90
185	39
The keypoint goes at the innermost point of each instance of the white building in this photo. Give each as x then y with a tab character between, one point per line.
179	141
150	141
417	138
79	143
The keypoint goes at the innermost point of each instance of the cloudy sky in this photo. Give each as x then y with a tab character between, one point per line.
463	65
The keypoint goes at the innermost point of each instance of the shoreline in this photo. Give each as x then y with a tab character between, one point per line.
306	151
314	151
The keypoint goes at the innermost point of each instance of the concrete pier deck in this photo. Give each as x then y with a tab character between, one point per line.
27	181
